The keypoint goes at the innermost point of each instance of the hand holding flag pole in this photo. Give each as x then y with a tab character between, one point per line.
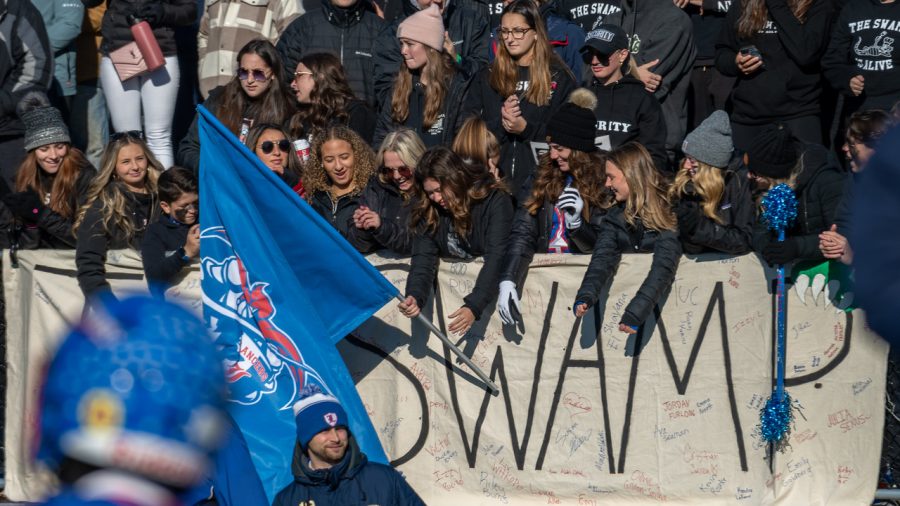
455	349
780	209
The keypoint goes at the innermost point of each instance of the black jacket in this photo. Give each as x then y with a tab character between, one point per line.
26	61
491	221
347	33
627	112
360	118
162	252
615	237
790	84
116	30
587	13
859	46
468	30
531	234
737	212
353	480
819	188
449	120
387	202
53	231
340	215
92	242
517	162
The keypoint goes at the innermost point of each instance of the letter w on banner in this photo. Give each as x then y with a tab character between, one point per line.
280	288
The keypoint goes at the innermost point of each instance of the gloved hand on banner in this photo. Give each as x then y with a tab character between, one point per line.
508	303
571	204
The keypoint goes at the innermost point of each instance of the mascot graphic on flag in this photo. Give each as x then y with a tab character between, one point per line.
243	317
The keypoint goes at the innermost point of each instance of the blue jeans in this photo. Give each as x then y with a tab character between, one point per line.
89	121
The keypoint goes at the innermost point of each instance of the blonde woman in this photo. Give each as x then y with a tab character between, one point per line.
524	86
120	203
429	91
477	145
713	203
641	222
338	170
383	215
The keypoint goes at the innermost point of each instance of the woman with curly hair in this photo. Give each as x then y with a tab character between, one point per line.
462	213
120	203
712	201
641	222
326	99
255	95
520	91
339	168
383	215
429	91
270	143
562	204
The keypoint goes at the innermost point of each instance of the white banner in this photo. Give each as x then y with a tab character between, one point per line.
586	415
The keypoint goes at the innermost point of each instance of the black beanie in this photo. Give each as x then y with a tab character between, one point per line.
773	152
574	125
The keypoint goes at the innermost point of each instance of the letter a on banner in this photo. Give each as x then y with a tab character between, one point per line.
280	288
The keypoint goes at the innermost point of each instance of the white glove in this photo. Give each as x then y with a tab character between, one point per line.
507	292
571	204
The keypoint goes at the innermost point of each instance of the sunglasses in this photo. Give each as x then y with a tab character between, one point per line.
258	74
283	145
130	134
404	172
602	59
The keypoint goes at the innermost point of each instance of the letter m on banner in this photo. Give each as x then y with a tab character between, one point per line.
280	288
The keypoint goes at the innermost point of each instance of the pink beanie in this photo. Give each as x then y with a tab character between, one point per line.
425	26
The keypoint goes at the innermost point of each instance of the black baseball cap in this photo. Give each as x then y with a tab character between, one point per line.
605	40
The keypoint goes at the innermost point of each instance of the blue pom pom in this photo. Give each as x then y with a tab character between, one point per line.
779	207
775	420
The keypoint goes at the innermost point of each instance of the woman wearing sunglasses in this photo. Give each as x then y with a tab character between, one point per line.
429	91
524	86
339	168
712	202
625	110
256	95
271	144
326	99
462	213
383	216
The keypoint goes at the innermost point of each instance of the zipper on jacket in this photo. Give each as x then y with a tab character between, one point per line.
343	30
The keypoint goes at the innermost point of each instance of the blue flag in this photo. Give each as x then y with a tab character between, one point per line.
280	288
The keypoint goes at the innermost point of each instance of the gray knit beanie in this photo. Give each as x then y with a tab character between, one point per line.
710	142
43	122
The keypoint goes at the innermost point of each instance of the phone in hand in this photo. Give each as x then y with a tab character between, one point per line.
753	51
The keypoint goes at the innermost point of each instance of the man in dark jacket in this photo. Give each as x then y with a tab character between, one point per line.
345	28
26	64
467	34
328	466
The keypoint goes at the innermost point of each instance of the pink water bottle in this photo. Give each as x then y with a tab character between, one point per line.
146	42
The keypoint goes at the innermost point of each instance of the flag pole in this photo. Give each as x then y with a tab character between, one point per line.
462	356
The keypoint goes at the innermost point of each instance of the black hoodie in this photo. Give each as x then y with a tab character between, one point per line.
790	84
627	112
587	13
864	42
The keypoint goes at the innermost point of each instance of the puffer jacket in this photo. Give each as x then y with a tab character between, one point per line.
491	221
26	64
116	29
354	480
340	215
387	202
615	237
819	188
349	33
737	213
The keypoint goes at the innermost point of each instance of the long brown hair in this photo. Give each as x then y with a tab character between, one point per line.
708	182
505	72
647	199
111	192
475	143
314	176
437	73
588	172
755	14
293	161
62	190
467	183
275	105
329	98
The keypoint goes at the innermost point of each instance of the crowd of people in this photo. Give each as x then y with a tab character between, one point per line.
452	129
